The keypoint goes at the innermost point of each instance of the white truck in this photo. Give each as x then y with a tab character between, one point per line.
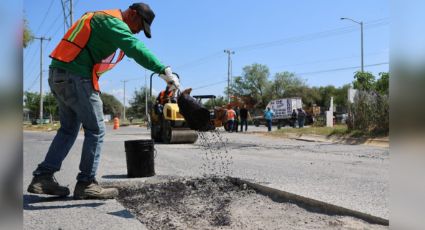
282	109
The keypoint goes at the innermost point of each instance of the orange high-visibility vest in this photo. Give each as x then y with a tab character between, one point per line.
75	40
162	96
231	114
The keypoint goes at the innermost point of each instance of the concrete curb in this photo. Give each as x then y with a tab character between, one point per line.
311	204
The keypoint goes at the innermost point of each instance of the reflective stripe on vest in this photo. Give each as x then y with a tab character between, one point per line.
162	96
75	40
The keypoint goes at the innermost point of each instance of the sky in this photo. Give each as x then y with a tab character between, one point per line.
305	37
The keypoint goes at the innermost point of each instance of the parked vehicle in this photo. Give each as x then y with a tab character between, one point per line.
282	109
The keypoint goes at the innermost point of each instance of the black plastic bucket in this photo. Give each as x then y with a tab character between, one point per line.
196	115
140	155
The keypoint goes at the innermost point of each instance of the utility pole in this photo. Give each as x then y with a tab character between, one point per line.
361	39
41	74
124	81
71	17
361	35
65	9
146	97
229	62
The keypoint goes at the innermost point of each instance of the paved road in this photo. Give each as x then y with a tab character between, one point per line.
352	176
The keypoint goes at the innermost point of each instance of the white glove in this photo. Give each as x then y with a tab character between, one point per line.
172	80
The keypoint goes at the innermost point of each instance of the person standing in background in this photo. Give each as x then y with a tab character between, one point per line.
244	114
268	115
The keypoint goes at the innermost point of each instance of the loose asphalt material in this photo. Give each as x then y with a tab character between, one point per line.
218	203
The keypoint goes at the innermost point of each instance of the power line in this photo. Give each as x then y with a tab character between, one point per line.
331	59
305	73
200	60
209	85
296	39
33	83
54	22
309	37
340	69
45	16
32	60
42	22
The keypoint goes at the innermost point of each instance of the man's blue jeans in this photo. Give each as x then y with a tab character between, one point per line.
269	125
78	104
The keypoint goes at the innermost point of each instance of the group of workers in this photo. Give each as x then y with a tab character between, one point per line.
236	116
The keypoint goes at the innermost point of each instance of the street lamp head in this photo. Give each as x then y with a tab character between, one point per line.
343	18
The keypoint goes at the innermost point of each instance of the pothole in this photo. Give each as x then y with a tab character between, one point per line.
218	203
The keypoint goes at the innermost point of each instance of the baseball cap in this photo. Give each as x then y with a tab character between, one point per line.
147	16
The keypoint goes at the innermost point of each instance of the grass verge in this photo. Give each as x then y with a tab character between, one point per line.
336	131
42	127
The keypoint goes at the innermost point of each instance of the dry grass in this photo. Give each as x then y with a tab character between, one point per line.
43	127
338	130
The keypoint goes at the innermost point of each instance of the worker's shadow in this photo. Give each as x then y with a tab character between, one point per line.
123	176
34	202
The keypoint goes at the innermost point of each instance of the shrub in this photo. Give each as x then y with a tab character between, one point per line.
369	113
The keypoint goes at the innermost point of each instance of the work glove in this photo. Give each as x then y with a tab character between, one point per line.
172	80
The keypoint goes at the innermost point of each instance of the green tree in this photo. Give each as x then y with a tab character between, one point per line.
219	101
364	81
50	106
111	105
32	102
238	87
309	95
341	96
326	93
382	84
137	103
27	37
255	80
286	84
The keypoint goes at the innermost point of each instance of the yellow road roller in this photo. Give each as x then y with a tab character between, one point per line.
167	125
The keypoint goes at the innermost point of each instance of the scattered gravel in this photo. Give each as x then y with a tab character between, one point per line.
217	203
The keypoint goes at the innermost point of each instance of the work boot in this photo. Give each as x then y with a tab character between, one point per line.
47	184
92	190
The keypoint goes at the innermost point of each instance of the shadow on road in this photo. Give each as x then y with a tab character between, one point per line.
31	201
123	176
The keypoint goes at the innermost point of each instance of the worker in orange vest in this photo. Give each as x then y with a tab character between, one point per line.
165	96
116	123
231	115
88	50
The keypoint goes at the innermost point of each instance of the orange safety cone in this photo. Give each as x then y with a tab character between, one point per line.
116	123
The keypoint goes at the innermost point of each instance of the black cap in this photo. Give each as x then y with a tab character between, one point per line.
147	16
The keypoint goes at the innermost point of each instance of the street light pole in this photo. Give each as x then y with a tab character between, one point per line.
229	61
361	39
41	75
124	81
146	101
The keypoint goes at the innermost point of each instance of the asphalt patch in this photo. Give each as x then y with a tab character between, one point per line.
183	203
218	203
